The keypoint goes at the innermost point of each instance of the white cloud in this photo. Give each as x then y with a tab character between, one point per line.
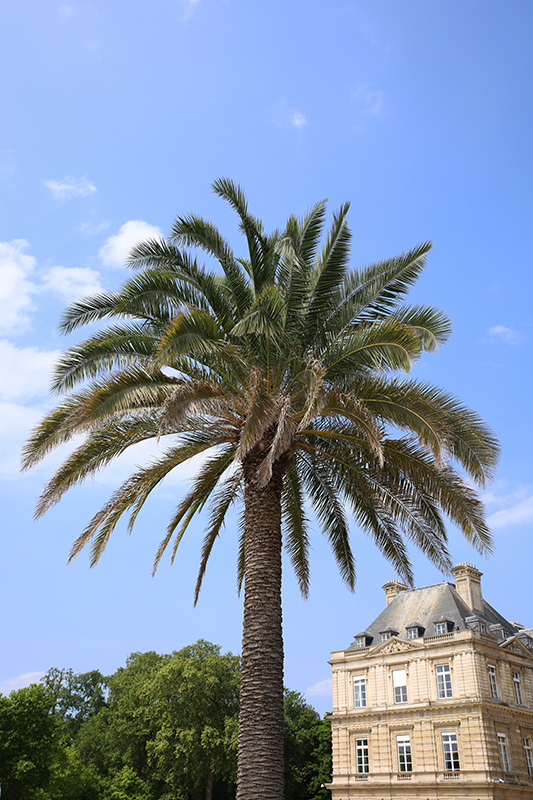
71	187
65	11
499	333
16	423
321	689
516	515
15	288
91	228
188	7
116	250
72	282
286	116
20	682
370	101
24	371
298	120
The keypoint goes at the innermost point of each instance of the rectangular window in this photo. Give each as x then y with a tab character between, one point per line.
359	691
517	688
361	753
440	628
444	681
385	636
412	633
529	755
360	641
492	681
399	684
451	752
482	627
503	752
405	763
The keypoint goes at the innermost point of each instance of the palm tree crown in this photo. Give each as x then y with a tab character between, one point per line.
282	369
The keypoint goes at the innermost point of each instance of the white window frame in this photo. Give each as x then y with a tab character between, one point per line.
529	755
518	688
362	764
386	636
441	628
399	685
412	633
403	749
359	691
444	681
360	641
450	749
502	743
493	683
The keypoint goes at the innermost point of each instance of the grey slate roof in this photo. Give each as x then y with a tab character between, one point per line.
426	606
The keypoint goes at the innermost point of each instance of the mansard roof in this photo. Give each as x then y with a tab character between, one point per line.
429	605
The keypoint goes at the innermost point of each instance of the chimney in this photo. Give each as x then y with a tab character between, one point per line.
392	589
468	585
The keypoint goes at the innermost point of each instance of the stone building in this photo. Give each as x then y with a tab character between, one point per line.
434	699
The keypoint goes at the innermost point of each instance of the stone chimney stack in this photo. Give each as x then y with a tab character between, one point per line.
468	585
392	589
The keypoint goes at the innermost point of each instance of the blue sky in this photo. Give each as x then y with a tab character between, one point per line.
117	117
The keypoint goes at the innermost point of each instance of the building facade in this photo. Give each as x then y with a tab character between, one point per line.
435	699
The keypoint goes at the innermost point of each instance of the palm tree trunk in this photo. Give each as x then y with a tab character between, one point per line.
260	771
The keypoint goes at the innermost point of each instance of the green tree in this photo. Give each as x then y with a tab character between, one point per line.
307	750
76	696
170	721
280	367
30	742
194	715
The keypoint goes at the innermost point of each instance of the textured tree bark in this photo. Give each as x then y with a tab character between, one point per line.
260	760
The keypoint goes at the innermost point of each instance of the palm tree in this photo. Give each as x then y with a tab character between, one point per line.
281	369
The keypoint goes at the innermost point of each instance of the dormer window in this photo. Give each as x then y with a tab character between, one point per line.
443	626
415	631
363	639
388	633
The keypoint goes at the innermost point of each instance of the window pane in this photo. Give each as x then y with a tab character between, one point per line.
359	691
529	755
503	751
517	688
444	681
451	752
361	750
492	682
405	763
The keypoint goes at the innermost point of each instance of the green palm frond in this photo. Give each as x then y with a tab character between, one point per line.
282	358
296	526
221	502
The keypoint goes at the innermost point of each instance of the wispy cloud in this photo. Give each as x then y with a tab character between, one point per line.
65	11
369	101
515	507
72	282
16	288
24	371
187	7
298	120
70	187
91	228
20	682
321	689
117	248
502	334
286	116
516	515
